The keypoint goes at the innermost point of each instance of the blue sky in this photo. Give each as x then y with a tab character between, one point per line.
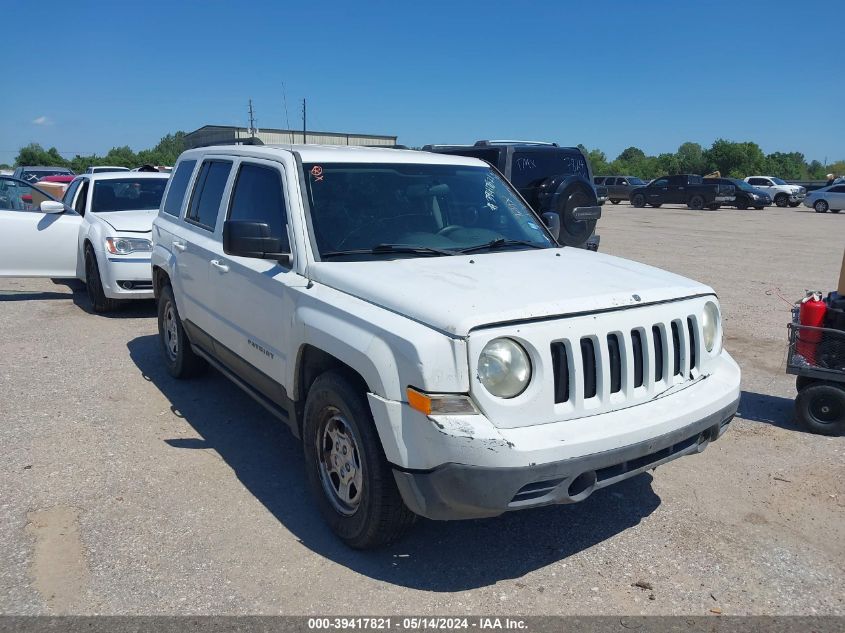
86	76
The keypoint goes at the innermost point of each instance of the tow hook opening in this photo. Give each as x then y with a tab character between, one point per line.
582	485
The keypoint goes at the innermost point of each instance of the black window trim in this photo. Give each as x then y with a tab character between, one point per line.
196	190
269	165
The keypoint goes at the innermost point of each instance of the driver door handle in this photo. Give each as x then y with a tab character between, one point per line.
179	246
223	268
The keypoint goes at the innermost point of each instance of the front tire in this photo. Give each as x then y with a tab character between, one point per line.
614	200
180	359
820	408
821	206
742	205
346	467
696	203
638	200
100	303
781	200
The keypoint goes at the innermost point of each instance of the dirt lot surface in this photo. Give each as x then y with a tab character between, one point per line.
124	491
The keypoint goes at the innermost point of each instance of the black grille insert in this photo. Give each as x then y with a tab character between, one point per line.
588	359
637	349
560	367
676	349
692	342
657	333
615	358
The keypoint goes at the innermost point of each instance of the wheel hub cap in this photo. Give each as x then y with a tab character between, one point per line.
171	334
340	463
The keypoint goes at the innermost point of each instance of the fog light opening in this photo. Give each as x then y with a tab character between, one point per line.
582	485
128	285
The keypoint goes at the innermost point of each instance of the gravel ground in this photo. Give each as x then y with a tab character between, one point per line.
126	492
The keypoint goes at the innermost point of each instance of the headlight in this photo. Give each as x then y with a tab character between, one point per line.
504	368
710	325
126	245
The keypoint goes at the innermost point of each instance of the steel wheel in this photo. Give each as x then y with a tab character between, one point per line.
171	332
340	462
825	409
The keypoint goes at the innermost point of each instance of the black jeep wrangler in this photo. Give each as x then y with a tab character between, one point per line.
549	177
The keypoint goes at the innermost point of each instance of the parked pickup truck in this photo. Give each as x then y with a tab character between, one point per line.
781	191
619	187
418	326
682	189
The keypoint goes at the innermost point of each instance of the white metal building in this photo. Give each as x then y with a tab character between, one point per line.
231	135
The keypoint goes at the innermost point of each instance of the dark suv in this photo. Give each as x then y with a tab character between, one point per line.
619	187
549	177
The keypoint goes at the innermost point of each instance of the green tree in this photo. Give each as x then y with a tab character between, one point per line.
736	160
598	161
34	154
691	159
631	154
788	166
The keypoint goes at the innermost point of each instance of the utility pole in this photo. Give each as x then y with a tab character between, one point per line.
304	141
251	120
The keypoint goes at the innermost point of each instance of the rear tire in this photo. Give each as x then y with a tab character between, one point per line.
835	210
696	203
742	205
346	467
614	200
714	207
100	303
180	359
657	205
638	200
820	408
781	200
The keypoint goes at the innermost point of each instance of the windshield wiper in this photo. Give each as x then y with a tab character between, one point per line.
499	243
389	249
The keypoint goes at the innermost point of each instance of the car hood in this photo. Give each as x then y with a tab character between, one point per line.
129	221
457	294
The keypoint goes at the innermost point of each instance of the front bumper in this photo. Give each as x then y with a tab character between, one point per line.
450	467
458	491
126	276
797	197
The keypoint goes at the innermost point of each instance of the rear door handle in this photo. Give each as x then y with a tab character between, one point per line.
180	246
223	268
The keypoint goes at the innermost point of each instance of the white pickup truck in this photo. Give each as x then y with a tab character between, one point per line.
416	324
781	192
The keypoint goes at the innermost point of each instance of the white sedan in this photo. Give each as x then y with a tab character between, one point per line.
831	198
100	233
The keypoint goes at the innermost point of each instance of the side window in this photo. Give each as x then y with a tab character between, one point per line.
178	186
611	181
208	192
663	182
599	180
71	191
82	199
838	189
259	196
19	196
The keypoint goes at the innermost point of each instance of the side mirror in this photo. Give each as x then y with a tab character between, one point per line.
552	221
245	238
52	206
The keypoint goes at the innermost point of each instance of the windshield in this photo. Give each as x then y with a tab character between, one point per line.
635	181
778	181
434	209
126	194
34	175
741	184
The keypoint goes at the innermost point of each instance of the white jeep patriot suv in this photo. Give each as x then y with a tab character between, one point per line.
419	328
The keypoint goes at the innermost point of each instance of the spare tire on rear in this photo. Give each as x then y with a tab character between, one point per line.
574	232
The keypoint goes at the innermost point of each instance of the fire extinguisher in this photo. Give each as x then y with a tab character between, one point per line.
811	313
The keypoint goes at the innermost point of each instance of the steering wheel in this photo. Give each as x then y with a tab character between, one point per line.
449	229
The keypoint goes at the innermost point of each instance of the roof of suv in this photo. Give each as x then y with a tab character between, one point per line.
338	154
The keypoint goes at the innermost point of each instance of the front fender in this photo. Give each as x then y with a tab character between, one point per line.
388	350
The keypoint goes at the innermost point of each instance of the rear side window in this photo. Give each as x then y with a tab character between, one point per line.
178	186
208	192
258	196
